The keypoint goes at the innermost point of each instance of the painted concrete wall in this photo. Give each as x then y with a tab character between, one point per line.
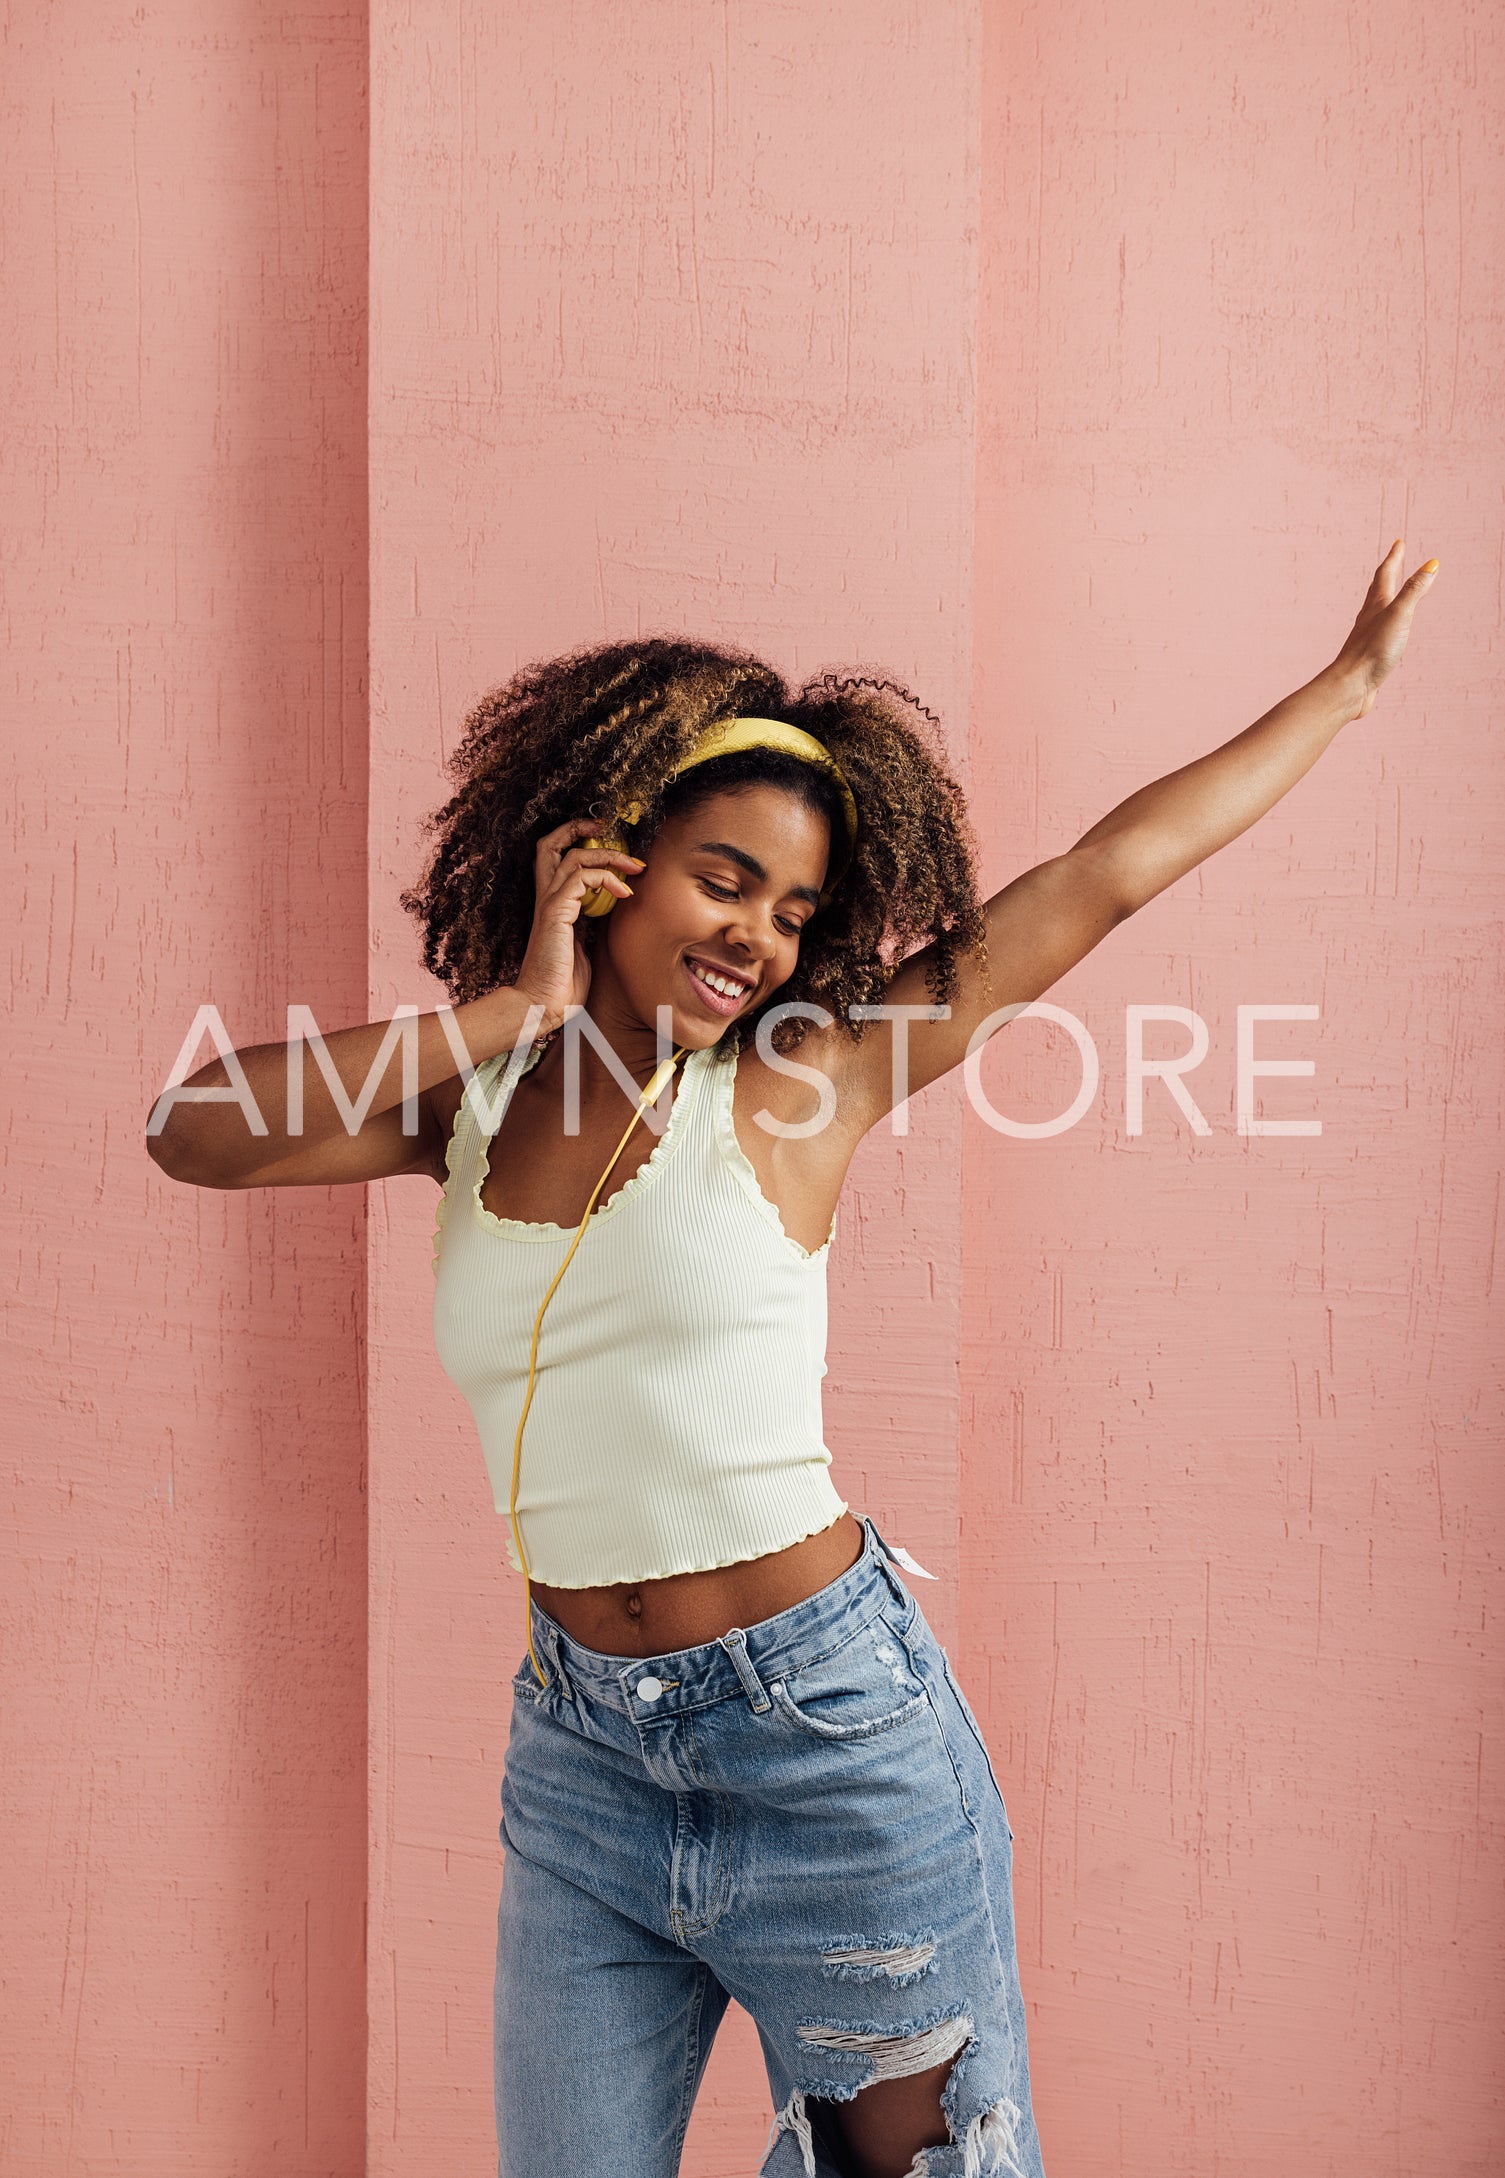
674	320
1232	1417
183	1615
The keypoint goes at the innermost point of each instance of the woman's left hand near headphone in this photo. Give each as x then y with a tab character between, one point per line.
555	971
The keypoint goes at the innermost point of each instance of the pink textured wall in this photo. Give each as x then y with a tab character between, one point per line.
184	580
674	321
671	328
1232	1500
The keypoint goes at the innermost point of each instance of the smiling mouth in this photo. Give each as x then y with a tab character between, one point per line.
721	990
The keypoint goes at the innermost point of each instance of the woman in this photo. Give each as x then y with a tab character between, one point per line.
739	1763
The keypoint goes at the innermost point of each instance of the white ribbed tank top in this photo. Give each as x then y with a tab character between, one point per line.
676	1417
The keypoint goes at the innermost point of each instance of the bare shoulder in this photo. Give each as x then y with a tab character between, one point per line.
792	1087
825	1077
798	1124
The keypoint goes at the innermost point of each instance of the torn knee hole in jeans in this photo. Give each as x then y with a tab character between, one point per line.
988	2143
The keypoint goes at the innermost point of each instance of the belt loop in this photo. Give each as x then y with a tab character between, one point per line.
552	1644
886	1564
735	1645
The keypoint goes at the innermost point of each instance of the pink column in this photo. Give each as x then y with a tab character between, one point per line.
1231	1474
184	1618
671	330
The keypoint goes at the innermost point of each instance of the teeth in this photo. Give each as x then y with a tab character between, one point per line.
723	984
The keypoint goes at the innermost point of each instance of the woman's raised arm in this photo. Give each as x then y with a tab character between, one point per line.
1053	915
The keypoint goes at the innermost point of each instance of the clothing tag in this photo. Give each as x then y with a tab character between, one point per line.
911	1565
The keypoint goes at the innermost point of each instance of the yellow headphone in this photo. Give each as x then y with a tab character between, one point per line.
725	739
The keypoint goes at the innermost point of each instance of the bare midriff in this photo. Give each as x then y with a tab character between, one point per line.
654	1618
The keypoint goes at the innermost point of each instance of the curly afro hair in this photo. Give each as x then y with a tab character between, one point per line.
593	732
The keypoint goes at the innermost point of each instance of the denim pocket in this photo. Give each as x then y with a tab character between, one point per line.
866	1686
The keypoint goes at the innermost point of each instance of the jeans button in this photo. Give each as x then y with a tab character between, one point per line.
649	1689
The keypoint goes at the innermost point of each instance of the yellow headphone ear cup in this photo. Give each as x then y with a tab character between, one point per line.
599	901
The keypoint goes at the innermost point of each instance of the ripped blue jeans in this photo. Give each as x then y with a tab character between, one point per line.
801	1815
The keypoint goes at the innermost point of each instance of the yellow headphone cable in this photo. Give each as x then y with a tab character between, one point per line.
649	1096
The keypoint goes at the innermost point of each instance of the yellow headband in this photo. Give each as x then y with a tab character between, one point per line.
734	734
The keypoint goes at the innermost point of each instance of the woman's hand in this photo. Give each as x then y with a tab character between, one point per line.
555	971
1378	637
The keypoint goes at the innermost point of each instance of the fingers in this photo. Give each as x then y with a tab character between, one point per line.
566	842
1410	594
586	869
573	828
1386	579
553	845
598	857
593	880
1387	587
